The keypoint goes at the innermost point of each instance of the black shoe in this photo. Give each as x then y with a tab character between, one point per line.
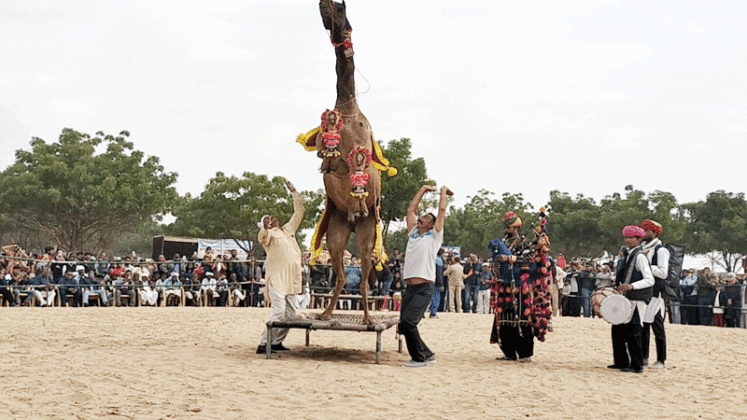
263	350
631	370
616	367
279	347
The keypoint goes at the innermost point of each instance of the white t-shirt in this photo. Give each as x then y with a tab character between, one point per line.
420	256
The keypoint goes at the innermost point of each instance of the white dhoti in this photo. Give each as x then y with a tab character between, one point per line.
283	306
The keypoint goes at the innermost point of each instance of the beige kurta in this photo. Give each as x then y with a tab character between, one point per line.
283	264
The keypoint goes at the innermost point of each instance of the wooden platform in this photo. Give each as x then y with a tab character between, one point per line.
340	322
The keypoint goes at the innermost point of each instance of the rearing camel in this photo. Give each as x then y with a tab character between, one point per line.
351	164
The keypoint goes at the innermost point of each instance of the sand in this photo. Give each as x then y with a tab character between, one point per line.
200	363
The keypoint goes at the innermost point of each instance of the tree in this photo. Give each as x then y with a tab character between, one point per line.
398	191
230	207
618	212
718	224
574	225
81	198
481	220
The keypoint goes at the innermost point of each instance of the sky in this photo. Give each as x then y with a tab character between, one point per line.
584	97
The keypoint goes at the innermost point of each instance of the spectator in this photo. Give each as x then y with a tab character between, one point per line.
718	307
706	296
192	286
571	300
95	287
70	285
124	286
221	289
235	292
44	291
6	283
472	270
483	296
586	278
438	286
235	266
208	290
147	292
559	276
689	293
732	302
455	274
58	268
172	290
604	277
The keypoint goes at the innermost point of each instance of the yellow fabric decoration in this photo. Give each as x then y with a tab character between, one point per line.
379	162
378	250
303	140
317	251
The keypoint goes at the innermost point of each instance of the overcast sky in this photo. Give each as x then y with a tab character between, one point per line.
522	97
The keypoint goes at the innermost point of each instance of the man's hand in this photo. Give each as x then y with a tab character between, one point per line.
290	186
428	188
624	288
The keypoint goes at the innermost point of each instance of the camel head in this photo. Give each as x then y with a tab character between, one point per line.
335	19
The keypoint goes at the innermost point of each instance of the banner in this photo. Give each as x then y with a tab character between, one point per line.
224	247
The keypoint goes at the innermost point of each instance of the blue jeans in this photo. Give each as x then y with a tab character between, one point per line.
470	298
435	300
674	312
384	286
586	301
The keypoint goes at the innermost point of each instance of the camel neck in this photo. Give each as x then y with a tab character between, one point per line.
346	94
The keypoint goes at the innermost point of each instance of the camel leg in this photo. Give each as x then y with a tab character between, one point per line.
338	235
365	233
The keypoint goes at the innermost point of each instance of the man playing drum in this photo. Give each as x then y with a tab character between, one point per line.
635	280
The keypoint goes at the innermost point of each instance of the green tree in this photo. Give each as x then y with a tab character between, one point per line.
718	224
574	225
230	207
481	220
398	191
80	198
618	212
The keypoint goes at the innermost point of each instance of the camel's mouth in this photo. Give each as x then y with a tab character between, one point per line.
334	19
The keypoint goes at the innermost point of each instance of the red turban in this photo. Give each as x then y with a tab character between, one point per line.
510	219
652	225
633	231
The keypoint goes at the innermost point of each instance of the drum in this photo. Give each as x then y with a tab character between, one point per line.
598	296
616	309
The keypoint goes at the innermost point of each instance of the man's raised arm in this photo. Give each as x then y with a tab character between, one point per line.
412	209
443	201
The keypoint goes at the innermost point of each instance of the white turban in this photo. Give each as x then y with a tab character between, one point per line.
261	223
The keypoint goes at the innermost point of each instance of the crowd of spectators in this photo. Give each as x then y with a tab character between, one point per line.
81	279
703	297
59	278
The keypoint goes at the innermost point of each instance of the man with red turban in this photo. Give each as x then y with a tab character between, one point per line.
511	330
635	280
658	257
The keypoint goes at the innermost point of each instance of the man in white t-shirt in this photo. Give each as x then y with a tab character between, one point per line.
426	235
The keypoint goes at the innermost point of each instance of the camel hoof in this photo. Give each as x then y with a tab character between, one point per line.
325	316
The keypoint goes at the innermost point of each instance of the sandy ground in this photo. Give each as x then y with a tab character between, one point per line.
200	363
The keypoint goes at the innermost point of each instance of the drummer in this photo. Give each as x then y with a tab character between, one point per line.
635	280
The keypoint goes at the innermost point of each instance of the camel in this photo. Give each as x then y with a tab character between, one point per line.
351	165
